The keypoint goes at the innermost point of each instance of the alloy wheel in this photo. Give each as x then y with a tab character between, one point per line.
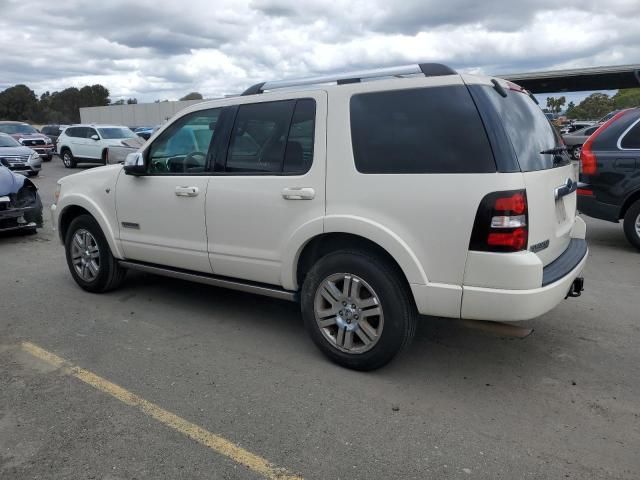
348	313
637	225
85	255
576	152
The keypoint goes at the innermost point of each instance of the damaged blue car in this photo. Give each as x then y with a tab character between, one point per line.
20	204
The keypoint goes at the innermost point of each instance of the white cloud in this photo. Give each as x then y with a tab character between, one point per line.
158	49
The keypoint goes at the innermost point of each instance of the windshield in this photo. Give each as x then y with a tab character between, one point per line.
530	131
12	128
116	132
7	141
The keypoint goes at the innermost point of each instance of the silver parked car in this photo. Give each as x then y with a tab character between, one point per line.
17	157
575	140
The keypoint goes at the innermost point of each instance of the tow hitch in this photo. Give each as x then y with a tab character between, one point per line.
576	288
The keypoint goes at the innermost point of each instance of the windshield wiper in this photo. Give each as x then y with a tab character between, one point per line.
555	151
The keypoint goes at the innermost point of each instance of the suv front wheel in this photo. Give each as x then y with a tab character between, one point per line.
67	159
357	309
89	257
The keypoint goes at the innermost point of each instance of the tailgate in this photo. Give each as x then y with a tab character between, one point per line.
552	210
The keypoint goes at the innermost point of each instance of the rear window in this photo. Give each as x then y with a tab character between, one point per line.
425	130
528	129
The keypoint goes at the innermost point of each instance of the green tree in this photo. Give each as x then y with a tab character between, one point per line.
593	107
18	103
570	107
192	96
626	98
554	105
132	101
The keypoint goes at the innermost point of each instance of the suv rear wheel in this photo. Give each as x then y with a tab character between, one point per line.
357	309
632	224
89	257
67	159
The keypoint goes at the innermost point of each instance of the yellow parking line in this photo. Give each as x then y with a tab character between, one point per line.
199	434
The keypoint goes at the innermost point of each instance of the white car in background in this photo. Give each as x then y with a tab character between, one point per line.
90	143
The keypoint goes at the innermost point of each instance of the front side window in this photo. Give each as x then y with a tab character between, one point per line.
273	137
632	138
115	132
182	148
90	132
423	130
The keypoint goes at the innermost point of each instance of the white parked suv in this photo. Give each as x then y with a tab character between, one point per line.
369	202
90	143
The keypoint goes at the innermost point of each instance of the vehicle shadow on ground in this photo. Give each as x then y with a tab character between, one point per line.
442	348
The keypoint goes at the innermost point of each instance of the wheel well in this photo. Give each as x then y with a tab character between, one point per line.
105	152
67	216
628	202
64	149
326	243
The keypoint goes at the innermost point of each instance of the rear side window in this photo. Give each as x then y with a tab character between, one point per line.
425	130
273	137
528	129
632	139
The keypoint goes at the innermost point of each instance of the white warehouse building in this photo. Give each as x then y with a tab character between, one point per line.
135	115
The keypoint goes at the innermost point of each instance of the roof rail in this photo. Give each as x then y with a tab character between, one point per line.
427	69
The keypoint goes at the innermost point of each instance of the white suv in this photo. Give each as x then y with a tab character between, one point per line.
90	143
369	202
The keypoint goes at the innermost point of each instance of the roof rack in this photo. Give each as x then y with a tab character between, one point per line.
427	69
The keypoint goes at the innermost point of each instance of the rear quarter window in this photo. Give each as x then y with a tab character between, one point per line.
631	139
424	130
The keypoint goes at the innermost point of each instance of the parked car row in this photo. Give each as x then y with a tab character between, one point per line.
28	136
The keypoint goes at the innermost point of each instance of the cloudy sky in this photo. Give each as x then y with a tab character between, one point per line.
164	49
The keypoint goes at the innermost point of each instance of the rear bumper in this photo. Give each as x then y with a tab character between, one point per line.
480	303
590	206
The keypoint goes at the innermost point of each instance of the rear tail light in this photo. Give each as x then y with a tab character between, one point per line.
501	223
588	160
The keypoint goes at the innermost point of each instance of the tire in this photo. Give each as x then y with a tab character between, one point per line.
105	157
632	224
34	174
575	152
67	159
387	334
109	274
48	158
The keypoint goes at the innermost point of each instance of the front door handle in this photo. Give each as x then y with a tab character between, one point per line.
187	191
298	193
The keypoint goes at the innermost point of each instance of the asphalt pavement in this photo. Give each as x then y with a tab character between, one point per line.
461	403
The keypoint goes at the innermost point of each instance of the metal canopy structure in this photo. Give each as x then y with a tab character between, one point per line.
579	79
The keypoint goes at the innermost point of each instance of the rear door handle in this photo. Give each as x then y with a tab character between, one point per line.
187	191
298	193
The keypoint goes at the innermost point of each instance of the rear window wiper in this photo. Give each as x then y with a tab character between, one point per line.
555	150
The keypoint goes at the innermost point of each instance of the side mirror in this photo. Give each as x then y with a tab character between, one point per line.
134	164
95	137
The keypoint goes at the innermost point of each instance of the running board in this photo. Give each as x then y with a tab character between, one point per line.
233	284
